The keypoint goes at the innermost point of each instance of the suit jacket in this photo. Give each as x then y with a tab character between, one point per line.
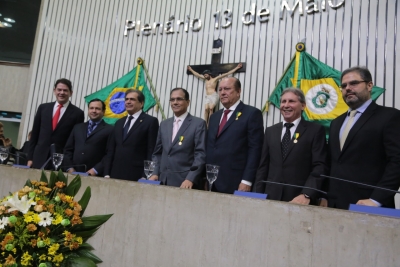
43	135
87	150
371	155
237	150
307	155
175	159
125	157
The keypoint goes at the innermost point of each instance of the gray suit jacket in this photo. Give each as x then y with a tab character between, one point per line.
174	160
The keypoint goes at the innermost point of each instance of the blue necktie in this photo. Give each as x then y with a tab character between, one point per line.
90	128
126	127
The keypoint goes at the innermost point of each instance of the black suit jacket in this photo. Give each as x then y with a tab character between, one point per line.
371	155
307	155
87	150
125	158
43	135
237	150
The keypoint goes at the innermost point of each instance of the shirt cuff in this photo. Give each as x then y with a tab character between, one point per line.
376	202
95	171
246	182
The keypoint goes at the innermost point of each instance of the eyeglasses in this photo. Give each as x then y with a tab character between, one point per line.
351	84
179	99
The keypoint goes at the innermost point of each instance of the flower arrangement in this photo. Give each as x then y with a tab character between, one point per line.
42	225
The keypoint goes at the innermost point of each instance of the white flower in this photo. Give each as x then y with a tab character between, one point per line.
21	205
45	218
3	222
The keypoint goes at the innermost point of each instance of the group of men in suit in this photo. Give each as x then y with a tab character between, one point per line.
286	162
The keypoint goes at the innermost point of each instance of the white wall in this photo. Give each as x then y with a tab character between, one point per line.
83	41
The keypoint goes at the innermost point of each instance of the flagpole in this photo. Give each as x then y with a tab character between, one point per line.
152	89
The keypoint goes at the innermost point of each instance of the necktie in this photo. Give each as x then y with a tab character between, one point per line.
347	128
90	128
223	121
126	127
56	116
175	129
286	140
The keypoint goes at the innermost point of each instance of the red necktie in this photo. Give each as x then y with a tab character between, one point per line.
223	121
56	116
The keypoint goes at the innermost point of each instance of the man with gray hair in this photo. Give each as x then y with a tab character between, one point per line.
292	151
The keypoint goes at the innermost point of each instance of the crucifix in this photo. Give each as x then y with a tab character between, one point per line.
211	74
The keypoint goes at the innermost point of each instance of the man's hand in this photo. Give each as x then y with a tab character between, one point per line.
240	65
29	163
154	177
244	187
323	203
71	170
189	68
91	172
367	202
187	184
301	199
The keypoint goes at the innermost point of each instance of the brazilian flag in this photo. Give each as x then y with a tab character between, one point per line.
113	94
320	85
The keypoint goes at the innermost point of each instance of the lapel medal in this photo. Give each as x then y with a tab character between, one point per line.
296	135
180	140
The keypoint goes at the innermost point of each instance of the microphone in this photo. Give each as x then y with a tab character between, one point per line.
52	151
357	183
72	166
298	186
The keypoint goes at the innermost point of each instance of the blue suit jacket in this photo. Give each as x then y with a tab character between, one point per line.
237	150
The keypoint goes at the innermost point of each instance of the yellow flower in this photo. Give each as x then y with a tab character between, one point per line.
42	257
79	240
58	219
53	249
26	258
36	218
58	258
28	218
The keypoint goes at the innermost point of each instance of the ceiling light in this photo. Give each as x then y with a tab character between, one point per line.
9	20
6	24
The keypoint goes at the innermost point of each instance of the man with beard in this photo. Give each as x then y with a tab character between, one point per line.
211	98
364	146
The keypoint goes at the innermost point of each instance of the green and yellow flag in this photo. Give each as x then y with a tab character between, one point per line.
113	94
320	85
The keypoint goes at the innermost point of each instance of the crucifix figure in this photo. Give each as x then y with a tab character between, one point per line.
211	81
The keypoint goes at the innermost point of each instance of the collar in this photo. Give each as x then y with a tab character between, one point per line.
135	115
64	105
296	122
181	117
363	107
234	106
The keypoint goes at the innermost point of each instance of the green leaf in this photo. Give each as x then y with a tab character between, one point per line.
86	246
28	183
61	177
53	180
86	234
43	177
85	199
81	262
89	255
74	186
92	222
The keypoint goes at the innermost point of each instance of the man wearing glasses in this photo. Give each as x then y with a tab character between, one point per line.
180	150
364	145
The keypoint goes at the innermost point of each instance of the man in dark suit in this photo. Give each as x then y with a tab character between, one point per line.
87	144
364	146
234	140
53	124
132	141
181	145
292	151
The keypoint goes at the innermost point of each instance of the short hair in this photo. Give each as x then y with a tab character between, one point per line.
140	95
207	72
297	92
64	81
362	71
103	105
182	89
